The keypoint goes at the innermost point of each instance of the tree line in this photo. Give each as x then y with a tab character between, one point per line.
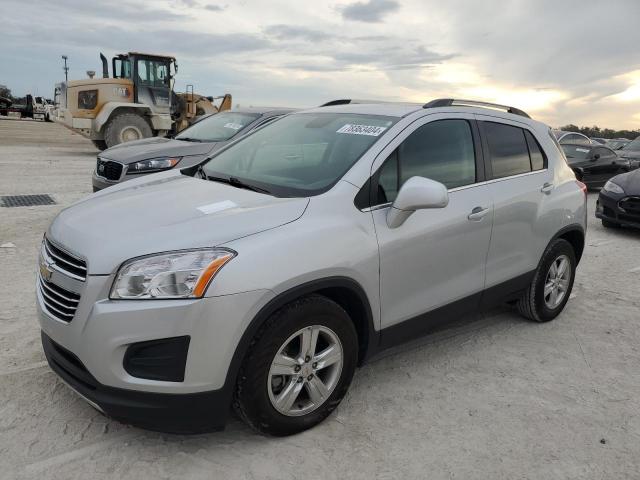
596	131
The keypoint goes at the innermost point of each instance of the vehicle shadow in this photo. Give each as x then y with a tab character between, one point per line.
369	377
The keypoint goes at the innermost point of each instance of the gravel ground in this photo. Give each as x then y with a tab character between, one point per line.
499	398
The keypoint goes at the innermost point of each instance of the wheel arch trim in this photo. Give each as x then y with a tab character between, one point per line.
570	229
113	108
282	299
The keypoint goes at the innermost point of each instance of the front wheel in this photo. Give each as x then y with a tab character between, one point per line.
552	283
299	367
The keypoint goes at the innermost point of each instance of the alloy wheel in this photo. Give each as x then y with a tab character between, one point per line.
305	371
557	282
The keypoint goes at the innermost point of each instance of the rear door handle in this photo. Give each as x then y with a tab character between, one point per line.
478	213
547	187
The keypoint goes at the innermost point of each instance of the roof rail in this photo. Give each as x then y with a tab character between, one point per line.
347	101
448	102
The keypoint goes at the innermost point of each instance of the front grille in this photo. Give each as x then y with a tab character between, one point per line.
58	302
631	207
109	169
64	262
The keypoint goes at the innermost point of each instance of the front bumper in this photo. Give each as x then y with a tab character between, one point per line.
608	208
102	330
100	182
172	413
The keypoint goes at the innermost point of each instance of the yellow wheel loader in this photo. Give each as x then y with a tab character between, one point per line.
137	101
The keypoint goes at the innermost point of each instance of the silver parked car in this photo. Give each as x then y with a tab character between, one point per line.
190	147
573	138
264	276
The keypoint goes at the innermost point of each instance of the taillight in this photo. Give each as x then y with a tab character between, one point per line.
582	186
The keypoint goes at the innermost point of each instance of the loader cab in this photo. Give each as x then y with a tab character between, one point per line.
151	77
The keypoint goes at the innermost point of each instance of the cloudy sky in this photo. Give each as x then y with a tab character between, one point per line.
563	61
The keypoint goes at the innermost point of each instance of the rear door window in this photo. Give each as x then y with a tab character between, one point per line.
508	149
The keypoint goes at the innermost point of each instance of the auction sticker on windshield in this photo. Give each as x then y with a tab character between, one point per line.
353	129
234	126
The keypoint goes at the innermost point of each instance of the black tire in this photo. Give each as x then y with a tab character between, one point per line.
532	304
118	125
251	398
608	224
99	144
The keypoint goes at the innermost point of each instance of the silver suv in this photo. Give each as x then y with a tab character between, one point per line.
262	277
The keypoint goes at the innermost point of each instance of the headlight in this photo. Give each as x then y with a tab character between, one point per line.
613	188
153	164
182	274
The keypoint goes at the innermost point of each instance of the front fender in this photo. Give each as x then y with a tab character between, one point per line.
108	108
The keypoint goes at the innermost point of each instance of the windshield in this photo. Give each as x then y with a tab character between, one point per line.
633	146
218	127
616	144
576	151
302	154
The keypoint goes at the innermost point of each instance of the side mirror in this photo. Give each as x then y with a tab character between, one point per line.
417	193
596	157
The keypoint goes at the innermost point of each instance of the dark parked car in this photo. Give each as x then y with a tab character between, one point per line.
190	147
595	164
601	141
631	152
619	201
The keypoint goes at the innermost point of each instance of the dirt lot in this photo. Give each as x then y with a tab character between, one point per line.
500	398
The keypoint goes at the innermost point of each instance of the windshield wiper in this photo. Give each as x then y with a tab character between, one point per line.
234	182
189	139
201	172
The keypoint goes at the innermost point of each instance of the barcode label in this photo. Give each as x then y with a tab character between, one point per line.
370	130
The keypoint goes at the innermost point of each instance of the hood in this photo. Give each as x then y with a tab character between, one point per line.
630	182
131	152
634	154
169	211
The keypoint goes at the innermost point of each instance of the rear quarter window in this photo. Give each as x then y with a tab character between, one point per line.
538	158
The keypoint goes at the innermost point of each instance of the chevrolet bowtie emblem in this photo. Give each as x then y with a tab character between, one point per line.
45	269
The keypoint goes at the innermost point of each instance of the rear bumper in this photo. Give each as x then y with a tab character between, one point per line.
171	413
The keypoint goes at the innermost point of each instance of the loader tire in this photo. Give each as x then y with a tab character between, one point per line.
126	127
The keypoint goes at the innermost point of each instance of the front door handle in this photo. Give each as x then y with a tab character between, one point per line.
478	213
547	187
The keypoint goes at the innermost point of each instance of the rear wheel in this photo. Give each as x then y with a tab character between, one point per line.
299	367
126	127
551	286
